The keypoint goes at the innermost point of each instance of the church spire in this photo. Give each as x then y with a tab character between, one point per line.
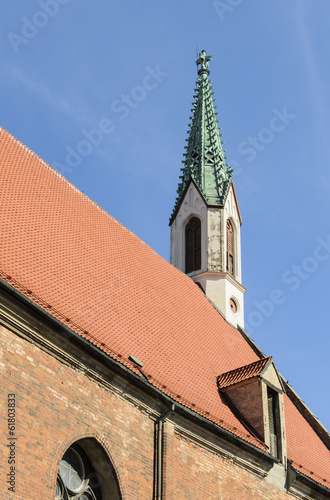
204	159
206	221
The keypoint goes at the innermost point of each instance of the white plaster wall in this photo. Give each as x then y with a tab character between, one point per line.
271	376
220	290
192	205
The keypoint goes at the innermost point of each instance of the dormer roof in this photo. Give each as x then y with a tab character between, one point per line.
242	373
264	369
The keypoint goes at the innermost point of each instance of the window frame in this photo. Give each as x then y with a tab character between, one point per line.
193	255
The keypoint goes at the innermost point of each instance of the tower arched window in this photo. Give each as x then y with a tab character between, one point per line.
230	248
85	473
193	245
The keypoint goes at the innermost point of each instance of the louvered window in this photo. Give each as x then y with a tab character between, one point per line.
230	248
193	245
273	422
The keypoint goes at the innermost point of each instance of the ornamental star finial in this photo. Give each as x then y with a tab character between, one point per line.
203	60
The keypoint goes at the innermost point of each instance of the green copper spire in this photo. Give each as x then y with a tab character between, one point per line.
204	157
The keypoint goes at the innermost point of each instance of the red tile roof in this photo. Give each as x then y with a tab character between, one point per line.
69	256
308	454
242	373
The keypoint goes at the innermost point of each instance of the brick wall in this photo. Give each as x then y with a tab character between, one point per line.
201	474
57	405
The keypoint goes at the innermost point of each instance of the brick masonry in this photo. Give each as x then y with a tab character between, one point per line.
57	405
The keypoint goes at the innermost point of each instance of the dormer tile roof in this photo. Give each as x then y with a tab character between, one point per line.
242	373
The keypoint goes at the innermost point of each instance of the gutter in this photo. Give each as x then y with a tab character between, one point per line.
309	479
159	456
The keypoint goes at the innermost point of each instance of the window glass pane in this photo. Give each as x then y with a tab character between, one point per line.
58	491
72	470
86	496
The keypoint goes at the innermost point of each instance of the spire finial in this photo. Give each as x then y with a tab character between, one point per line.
203	60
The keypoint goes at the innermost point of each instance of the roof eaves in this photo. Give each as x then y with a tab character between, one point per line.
308	479
135	376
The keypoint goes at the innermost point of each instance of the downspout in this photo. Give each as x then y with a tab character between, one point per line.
160	422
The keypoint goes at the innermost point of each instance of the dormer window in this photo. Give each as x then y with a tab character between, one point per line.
255	393
230	248
273	424
193	245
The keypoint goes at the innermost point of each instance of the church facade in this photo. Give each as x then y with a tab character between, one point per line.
118	384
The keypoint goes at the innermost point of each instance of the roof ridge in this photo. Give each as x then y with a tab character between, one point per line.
72	186
307	414
251	342
44	163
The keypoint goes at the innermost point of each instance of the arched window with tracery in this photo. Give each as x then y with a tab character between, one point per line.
85	473
193	245
230	248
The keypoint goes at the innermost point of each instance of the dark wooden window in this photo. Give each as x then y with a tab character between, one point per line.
274	423
193	245
230	248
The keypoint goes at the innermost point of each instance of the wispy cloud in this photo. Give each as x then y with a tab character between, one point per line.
317	86
18	76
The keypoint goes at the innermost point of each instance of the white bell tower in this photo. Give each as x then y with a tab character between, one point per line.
206	221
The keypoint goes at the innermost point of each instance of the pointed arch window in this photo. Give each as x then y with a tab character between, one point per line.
230	248
73	479
193	245
85	473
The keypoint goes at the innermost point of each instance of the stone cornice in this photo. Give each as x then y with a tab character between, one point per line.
232	456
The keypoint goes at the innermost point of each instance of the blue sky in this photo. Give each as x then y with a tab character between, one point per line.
103	91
